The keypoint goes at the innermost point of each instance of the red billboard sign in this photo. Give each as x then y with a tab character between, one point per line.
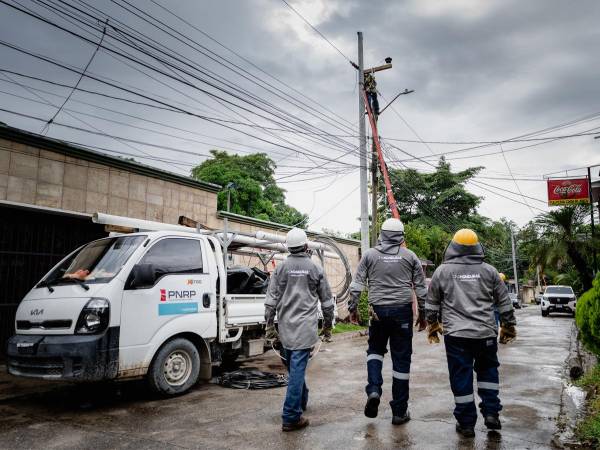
568	192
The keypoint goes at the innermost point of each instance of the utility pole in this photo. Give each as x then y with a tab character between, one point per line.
374	192
514	260
595	261
364	193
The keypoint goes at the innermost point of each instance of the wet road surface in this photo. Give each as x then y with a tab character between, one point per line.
125	415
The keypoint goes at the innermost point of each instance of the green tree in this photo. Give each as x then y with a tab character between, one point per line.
564	239
434	198
256	193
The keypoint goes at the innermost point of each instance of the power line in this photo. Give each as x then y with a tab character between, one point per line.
318	32
515	181
77	83
250	62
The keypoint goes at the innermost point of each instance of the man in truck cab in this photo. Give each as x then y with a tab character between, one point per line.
390	272
464	290
296	287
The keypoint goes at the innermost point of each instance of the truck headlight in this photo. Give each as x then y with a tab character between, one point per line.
94	317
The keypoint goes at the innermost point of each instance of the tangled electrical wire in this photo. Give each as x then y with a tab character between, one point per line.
343	288
252	379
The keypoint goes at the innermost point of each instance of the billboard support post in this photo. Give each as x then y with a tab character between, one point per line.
592	222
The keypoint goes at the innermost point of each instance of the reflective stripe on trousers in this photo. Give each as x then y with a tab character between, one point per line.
465	356
394	325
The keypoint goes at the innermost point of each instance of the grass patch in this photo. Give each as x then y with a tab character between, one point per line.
346	327
588	430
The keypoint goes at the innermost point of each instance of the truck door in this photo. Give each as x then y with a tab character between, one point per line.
182	299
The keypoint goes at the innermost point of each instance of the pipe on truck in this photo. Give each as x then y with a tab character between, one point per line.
260	239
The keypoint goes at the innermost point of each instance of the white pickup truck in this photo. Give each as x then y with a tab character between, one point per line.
151	303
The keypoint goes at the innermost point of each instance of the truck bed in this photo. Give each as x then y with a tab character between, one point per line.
248	309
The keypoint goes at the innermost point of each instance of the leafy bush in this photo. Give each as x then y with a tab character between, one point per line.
588	317
588	430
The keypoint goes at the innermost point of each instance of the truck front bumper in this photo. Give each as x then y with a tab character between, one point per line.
66	357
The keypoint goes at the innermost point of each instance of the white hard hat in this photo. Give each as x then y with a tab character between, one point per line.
393	225
295	238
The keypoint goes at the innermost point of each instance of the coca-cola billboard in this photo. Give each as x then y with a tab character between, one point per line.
568	192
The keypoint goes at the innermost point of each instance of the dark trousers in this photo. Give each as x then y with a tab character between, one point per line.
393	324
296	396
463	356
373	102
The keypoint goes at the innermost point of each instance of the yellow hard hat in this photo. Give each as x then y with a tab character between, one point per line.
502	276
466	236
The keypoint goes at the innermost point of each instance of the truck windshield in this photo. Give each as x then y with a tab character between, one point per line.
97	262
558	290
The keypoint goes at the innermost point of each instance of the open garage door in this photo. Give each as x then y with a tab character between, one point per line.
32	240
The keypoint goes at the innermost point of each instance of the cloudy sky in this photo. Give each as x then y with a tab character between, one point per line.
249	76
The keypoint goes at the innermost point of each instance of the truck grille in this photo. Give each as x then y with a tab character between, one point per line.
45	325
559	300
36	366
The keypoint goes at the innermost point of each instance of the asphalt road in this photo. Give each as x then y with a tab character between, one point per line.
125	415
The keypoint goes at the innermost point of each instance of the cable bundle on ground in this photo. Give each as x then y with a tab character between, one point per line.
252	379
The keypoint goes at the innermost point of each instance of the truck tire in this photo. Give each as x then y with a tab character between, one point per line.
545	313
175	368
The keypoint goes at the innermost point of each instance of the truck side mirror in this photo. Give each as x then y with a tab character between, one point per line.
142	275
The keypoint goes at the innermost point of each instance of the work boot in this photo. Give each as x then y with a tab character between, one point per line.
399	420
372	405
465	430
302	423
492	422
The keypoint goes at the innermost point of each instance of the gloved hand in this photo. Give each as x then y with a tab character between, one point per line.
508	333
272	337
325	334
421	322
432	332
355	317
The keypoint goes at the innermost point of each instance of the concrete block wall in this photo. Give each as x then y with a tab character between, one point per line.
45	178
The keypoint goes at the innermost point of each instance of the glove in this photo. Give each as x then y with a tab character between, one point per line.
421	323
508	333
355	317
432	332
272	336
325	334
352	304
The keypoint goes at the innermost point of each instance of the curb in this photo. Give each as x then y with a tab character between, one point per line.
349	335
572	399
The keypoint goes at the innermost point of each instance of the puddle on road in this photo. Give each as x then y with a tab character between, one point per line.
576	394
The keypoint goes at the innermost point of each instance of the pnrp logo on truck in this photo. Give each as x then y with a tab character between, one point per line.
166	295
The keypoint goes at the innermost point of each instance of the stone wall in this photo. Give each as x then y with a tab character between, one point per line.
40	177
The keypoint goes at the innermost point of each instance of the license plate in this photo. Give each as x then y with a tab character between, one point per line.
26	348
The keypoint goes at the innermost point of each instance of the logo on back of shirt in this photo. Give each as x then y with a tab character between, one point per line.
466	276
297	273
390	258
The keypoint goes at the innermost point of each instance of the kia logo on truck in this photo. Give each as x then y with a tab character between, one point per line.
36	312
175	295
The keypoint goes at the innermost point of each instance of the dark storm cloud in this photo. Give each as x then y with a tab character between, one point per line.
480	69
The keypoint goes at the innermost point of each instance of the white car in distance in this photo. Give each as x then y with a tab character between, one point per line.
559	299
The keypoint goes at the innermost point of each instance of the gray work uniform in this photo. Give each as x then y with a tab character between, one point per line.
296	287
465	290
392	272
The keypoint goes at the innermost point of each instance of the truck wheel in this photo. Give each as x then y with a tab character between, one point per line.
544	313
175	367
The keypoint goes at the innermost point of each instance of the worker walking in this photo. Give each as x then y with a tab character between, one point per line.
464	291
390	272
296	287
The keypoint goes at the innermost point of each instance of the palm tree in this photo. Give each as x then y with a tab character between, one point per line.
563	239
